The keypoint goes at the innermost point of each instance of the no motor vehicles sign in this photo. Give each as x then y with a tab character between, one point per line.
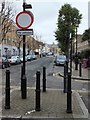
24	19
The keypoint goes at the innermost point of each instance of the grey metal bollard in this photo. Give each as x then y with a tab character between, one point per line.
37	105
7	90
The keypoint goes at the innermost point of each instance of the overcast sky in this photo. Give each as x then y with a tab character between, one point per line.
46	13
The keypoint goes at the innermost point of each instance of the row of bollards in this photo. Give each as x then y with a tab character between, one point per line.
23	88
67	88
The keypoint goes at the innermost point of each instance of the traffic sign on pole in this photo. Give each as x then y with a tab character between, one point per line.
28	6
24	32
24	19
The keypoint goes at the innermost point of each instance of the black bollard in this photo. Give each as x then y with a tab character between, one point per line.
76	63
44	79
7	90
69	94
24	87
64	90
80	69
21	76
66	74
37	107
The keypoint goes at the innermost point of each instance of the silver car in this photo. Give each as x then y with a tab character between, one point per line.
15	60
60	59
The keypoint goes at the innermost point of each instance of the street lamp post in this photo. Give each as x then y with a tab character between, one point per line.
71	53
76	56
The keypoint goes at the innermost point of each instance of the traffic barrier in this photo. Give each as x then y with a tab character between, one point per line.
44	79
69	94
24	87
7	90
80	69
37	105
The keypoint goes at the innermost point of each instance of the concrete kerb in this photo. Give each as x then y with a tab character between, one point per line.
74	77
82	105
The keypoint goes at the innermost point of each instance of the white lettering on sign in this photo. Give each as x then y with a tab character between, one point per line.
26	32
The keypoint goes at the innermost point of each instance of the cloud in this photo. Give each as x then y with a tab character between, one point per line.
46	13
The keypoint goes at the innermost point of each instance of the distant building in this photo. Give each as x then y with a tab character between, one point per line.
80	45
51	48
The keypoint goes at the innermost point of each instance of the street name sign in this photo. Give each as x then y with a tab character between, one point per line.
24	32
24	19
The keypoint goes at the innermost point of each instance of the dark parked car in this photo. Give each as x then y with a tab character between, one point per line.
4	63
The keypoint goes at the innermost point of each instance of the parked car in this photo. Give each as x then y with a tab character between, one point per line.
44	54
4	63
34	57
49	54
15	60
21	58
29	57
60	59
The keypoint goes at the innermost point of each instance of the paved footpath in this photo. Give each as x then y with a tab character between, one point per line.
53	104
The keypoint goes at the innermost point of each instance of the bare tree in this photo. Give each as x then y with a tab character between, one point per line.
19	42
6	16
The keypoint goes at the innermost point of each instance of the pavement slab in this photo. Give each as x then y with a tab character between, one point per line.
53	105
53	102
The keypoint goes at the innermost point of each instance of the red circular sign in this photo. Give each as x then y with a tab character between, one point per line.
24	19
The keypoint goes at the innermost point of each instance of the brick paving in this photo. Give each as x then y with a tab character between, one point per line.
53	104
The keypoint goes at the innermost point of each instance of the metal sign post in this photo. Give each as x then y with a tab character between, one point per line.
24	46
24	20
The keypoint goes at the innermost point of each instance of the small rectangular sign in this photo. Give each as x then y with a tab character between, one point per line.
24	32
28	6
